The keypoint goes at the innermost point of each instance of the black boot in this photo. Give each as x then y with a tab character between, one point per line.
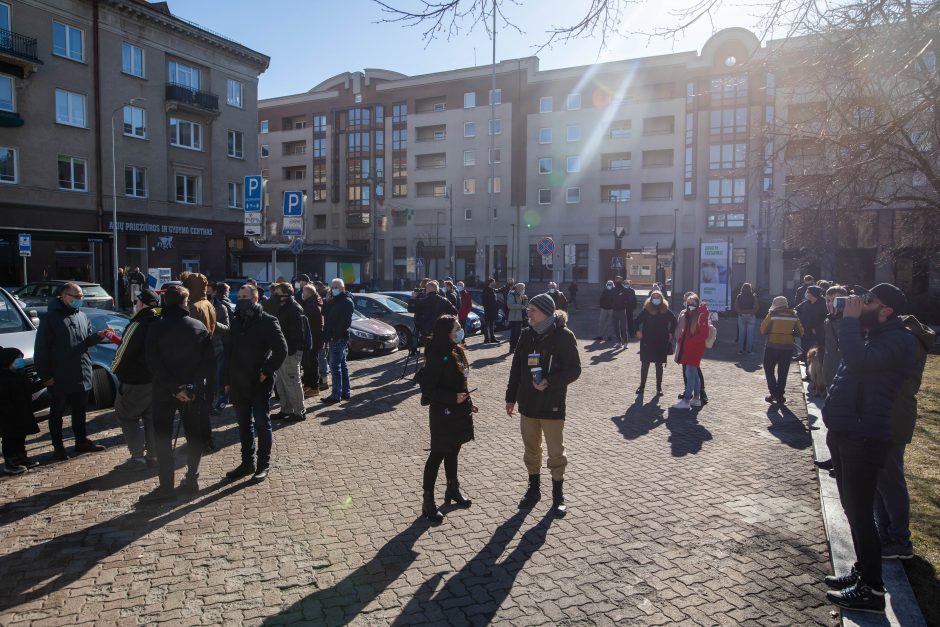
558	499
453	494
429	509
533	495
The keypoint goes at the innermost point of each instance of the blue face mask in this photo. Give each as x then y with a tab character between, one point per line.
19	363
335	291
76	303
460	335
656	301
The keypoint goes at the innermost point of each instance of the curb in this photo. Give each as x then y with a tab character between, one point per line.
901	606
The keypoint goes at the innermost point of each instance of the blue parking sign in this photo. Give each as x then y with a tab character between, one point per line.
253	193
26	244
293	203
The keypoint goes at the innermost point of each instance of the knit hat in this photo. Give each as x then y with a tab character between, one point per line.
8	356
544	303
148	297
780	302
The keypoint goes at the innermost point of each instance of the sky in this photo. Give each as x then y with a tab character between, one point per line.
311	40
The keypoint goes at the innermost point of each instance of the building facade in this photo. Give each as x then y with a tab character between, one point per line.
121	102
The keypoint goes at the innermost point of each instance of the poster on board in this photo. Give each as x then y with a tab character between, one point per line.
714	275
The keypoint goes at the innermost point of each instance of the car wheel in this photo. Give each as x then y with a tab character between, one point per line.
404	336
102	388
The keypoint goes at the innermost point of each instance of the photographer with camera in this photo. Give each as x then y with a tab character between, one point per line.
428	307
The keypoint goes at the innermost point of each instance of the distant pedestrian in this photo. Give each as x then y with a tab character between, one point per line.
656	327
428	307
690	349
466	306
516	301
781	325
561	302
451	295
490	311
313	379
745	305
290	317
217	294
573	293
832	356
801	290
202	310
812	313
18	420
136	281
621	303
337	318
605	321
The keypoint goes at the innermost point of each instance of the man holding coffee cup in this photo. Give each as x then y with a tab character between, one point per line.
545	363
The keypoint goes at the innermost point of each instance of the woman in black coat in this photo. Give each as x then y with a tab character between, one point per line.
16	398
444	388
656	326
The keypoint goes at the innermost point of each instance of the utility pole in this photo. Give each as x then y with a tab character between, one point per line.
451	264
492	209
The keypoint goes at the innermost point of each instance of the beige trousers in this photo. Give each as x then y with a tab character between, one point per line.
532	430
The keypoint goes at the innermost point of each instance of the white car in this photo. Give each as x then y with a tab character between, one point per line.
18	330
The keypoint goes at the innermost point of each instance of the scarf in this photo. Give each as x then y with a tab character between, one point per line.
543	327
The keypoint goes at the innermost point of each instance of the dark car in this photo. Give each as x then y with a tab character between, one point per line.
368	336
474	319
502	321
38	294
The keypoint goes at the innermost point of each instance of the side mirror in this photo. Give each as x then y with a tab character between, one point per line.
33	317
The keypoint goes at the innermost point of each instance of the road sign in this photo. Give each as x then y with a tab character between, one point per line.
616	263
419	262
297	246
26	244
253	193
546	246
293	213
254	223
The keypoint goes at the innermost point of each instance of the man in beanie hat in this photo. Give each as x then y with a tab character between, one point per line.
545	364
812	313
135	392
781	325
878	357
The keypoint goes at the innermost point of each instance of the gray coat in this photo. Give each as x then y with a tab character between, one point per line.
61	348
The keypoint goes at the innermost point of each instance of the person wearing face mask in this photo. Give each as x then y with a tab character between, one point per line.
605	323
17	422
299	284
255	348
337	318
690	348
64	366
879	356
561	302
516	301
656	326
444	389
290	317
132	404
466	304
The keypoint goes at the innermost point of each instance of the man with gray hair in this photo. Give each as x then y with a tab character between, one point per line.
337	318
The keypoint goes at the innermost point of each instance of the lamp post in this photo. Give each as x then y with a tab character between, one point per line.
451	263
114	193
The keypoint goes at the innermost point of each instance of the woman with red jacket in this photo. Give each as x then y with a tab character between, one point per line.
691	348
466	304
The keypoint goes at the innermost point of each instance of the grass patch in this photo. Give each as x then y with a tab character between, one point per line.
923	481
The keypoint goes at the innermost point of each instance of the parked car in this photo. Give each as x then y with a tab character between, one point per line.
38	294
502	321
368	336
18	330
474	319
103	382
389	310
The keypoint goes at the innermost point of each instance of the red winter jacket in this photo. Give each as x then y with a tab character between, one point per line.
465	304
691	346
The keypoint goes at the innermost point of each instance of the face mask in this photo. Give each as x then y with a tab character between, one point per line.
297	286
657	301
552	291
610	286
692	307
460	288
335	291
76	303
19	363
460	335
242	304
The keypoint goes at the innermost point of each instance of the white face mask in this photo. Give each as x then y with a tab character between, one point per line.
610	286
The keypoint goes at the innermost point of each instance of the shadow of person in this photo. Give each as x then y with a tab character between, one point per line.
788	428
483	578
361	586
749	366
640	419
686	435
36	571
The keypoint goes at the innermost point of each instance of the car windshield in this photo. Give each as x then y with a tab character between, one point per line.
115	322
10	319
395	305
94	291
357	316
399	301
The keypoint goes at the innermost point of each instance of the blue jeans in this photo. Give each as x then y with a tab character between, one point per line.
339	368
691	381
324	364
746	326
255	417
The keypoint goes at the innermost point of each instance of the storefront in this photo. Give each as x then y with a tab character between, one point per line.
321	262
55	254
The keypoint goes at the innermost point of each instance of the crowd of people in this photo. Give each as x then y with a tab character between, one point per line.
193	352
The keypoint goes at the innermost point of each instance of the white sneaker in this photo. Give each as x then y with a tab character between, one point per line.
681	405
695	402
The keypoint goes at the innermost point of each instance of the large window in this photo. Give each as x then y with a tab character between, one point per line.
319	148
621	129
233	93
545	104
399	139
319	123
545	165
545	135
182	74
235	195
7	103
357	142
469	100
132	59
185	134
358	117
8	172
236	140
469	129
187	189
496	155
494	187
726	191
615	193
67	41
135	181
69	108
727	156
135	122
399	112
496	126
469	186
358	195
728	121
729	87
726	221
73	174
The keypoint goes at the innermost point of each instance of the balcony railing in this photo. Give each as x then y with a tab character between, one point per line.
19	45
193	97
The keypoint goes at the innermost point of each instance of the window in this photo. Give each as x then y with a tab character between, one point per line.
656	191
236	142
496	97
545	104
264	126
235	195
135	122
469	100
265	150
545	196
72	174
132	60
771	84
358	195
379	141
399	190
621	129
400	167
573	164
7	165
657	158
725	221
729	87
135	181
496	126
728	121
469	157
358	117
726	191
496	155
182	74
545	165
545	135
379	169
615	193
727	156
69	108
494	187
185	134
399	112
469	186
574	134
661	125
399	139
4	16
468	214
319	172
233	93
319	148
319	123
358	169
187	189
6	94
618	161
357	142
67	42
573	102
573	195
469	129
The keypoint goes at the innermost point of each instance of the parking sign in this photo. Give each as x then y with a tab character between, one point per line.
293	214
26	244
253	193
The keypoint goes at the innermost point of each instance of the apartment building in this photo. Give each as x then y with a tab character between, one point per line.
120	101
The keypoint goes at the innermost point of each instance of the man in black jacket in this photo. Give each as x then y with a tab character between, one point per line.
545	364
561	301
337	318
490	311
430	307
179	356
254	349
620	303
224	309
290	316
135	392
812	313
631	307
605	319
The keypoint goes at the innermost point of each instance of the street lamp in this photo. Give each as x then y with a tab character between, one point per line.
114	194
451	269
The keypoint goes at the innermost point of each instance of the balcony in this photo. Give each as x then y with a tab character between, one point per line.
182	97
19	51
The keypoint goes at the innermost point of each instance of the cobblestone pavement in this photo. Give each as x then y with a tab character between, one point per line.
673	517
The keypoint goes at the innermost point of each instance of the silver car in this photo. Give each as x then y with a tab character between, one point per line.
18	330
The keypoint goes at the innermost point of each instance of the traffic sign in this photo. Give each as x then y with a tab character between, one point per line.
297	246
293	213
616	263
26	244
546	246
253	193
254	222
419	262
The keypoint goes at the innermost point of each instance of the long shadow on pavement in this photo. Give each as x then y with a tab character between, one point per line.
686	435
788	428
640	419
